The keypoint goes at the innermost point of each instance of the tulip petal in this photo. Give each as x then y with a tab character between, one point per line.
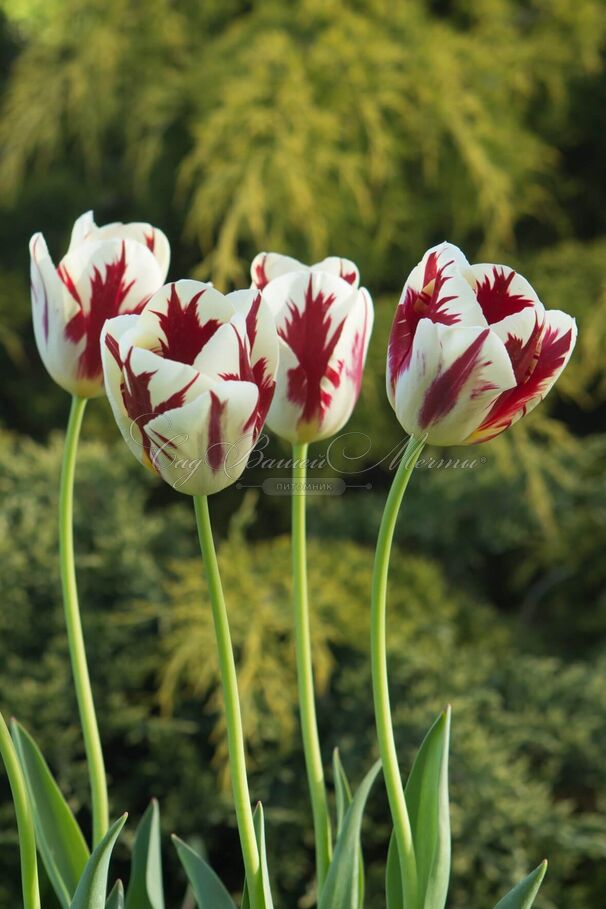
310	310
226	356
342	268
553	350
83	229
181	318
105	280
140	384
284	415
267	266
149	236
202	447
436	289
453	376
52	310
342	389
263	344
503	294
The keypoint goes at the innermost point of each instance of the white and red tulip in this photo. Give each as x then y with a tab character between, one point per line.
472	349
324	321
106	271
190	381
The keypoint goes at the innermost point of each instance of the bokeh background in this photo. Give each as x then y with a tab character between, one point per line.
369	129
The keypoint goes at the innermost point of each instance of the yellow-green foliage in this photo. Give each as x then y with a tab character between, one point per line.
367	127
257	582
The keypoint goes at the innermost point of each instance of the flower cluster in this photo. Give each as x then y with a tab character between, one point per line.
192	375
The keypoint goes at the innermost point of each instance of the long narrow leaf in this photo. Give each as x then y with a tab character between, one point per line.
341	888
428	808
259	822
116	898
344	799
145	887
342	789
91	892
523	894
393	877
60	841
208	889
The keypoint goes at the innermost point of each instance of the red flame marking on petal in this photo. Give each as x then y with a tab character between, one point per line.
185	335
136	394
257	374
69	283
548	358
307	334
252	318
260	277
215	454
107	293
150	240
523	356
356	369
444	391
417	305
349	276
495	298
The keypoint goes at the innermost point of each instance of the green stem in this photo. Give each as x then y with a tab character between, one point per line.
380	684
235	735
305	678
77	650
25	822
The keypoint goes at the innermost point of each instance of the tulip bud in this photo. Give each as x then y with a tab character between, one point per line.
324	321
471	350
190	381
106	271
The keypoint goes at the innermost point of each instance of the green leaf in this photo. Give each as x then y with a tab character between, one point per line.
523	894
145	887
343	796
259	822
91	892
393	877
342	789
428	809
341	888
208	889
59	838
116	898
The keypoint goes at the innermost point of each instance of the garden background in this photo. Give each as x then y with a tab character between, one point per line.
372	130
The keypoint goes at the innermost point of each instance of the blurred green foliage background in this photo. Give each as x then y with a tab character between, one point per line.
369	129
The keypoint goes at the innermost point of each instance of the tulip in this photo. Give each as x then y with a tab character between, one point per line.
106	271
267	266
190	381
324	321
472	349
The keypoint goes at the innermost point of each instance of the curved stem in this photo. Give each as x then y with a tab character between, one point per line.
25	822
235	735
305	678
380	683
77	650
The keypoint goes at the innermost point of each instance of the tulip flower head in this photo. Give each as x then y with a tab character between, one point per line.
190	381
106	271
472	349
324	321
